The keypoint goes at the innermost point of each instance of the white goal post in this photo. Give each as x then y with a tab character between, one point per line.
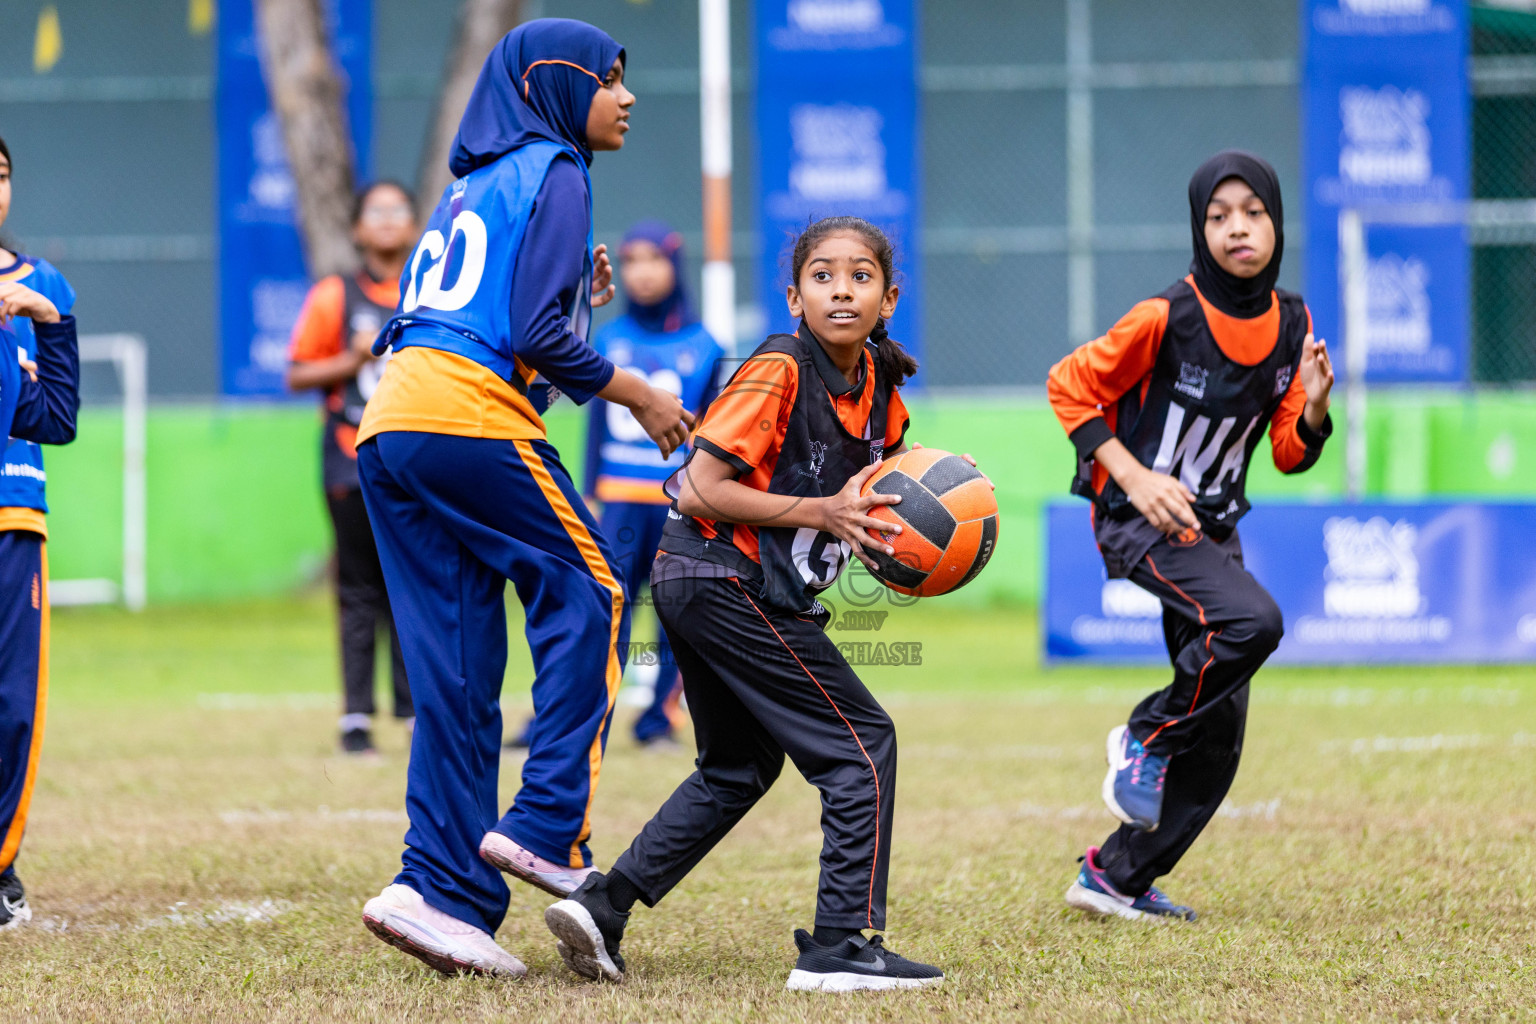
1487	222
127	354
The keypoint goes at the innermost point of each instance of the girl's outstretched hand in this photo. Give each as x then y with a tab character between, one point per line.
664	419
1317	378
845	515
16	299
602	277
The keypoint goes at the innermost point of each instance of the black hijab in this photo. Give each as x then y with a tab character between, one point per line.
1244	297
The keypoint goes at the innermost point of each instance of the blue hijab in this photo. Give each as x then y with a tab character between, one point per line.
674	312
537	83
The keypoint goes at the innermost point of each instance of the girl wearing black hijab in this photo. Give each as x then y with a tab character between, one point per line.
1166	411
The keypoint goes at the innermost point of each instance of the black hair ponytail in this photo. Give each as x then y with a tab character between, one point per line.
893	362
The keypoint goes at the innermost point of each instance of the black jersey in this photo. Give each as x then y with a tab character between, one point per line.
815	457
344	412
1200	413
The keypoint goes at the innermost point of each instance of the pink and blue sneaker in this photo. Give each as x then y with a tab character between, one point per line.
1093	893
1133	787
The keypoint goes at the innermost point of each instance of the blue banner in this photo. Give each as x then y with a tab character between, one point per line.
1367	583
837	135
262	280
1385	104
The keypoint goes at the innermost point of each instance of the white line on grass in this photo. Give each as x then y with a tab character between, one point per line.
1310	696
264	701
321	813
1027	751
1367	745
1262	809
223	912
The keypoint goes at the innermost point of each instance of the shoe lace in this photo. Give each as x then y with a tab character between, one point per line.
877	944
1144	774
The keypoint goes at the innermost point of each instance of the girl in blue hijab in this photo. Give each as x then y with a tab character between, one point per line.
465	492
660	339
39	399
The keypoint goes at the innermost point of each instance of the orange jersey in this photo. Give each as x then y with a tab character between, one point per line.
1087	384
746	425
1185	386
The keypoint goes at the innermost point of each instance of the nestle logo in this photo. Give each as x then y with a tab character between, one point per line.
1191	380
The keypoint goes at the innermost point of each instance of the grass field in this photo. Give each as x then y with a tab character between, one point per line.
197	850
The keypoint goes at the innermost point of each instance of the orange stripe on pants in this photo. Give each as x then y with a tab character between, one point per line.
598	566
12	841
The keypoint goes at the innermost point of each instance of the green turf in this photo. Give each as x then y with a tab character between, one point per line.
197	851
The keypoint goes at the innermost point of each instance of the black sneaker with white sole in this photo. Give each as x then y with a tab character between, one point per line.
14	911
855	964
358	743
589	930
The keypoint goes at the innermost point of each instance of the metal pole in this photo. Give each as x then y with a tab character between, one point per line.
1079	171
715	152
1352	262
133	363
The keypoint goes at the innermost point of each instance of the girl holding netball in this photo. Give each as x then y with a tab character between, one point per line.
767	512
464	493
39	397
1166	411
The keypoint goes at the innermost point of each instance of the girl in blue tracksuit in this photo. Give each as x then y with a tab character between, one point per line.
659	338
464	493
39	397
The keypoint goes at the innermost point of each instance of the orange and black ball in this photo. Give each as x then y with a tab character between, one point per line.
948	516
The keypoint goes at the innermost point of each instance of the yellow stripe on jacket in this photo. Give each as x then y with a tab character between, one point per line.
16	518
632	492
437	392
12	839
598	566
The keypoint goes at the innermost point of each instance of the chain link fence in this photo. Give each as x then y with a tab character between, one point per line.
1503	228
1058	140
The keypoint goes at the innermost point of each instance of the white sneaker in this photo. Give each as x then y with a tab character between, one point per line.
505	855
400	917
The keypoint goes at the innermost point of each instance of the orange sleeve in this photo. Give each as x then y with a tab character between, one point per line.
1294	445
745	423
1095	375
897	419
318	332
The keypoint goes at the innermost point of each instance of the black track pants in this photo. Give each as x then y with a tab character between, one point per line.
1219	625
363	606
762	684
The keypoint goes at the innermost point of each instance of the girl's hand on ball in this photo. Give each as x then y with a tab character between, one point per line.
845	515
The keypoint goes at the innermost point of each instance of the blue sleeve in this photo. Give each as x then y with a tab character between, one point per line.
48	281
544	282
46	408
597	424
597	420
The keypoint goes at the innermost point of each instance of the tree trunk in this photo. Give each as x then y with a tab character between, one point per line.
482	23
306	92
